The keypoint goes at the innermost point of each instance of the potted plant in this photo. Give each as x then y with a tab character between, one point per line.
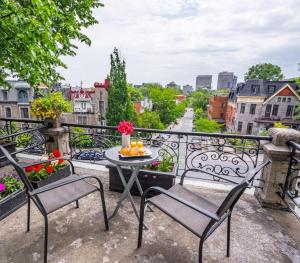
48	172
160	173
10	147
50	107
12	195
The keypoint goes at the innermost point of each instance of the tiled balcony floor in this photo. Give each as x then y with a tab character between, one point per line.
78	235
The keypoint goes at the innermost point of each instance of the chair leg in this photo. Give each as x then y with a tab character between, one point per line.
46	239
28	213
141	223
104	209
201	250
228	235
77	204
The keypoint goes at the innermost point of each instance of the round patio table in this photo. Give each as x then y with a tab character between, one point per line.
112	154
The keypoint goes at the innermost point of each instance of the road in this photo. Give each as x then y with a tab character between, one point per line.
185	124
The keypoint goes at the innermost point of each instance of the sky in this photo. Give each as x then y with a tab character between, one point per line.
176	40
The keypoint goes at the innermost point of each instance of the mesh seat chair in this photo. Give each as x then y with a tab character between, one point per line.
198	214
56	195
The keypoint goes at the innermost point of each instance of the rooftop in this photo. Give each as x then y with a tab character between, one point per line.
78	235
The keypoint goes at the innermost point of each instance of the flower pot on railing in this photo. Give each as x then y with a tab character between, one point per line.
146	177
10	147
12	202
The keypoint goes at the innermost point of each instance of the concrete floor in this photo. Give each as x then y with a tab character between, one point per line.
78	235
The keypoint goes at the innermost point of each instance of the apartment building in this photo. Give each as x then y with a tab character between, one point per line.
217	108
226	80
203	81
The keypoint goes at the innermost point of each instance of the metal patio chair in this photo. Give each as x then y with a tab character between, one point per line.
198	214
54	196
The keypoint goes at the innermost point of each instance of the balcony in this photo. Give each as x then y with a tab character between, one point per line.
78	235
271	120
23	100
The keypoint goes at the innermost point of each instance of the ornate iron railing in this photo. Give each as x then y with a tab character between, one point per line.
290	193
229	157
25	133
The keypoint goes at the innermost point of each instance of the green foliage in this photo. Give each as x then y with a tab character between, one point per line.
166	164
79	138
198	113
24	139
11	183
35	34
265	71
120	106
134	93
150	120
50	106
206	125
199	99
279	125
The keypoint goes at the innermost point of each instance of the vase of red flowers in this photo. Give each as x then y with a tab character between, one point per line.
48	172
126	129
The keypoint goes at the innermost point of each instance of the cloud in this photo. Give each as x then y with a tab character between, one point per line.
180	39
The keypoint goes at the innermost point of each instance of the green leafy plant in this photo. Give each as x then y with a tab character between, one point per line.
24	139
166	164
79	138
9	184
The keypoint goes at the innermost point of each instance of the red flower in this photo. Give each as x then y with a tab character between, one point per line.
56	153
125	127
60	161
29	169
49	169
38	167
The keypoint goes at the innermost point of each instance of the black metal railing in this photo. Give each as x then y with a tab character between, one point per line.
25	134
290	193
228	156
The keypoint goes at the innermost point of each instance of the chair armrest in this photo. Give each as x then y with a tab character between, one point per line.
51	160
182	201
63	182
255	171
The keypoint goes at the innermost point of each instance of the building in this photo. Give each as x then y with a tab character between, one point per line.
15	102
187	89
89	105
230	111
143	105
260	103
172	84
217	108
226	80
203	81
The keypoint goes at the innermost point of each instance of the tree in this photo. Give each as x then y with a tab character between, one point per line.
134	93
35	34
206	125
120	106
199	99
265	71
150	120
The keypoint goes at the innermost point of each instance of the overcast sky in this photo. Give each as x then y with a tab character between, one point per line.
165	40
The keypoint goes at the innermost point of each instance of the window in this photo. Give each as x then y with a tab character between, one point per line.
82	120
7	112
289	99
284	99
275	110
5	94
24	113
249	128
271	89
242	108
240	126
289	110
268	110
279	99
22	94
83	105
101	107
222	116
252	108
254	89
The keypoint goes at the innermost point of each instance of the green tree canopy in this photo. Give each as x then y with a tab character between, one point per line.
120	106
35	34
199	99
206	125
134	93
150	120
265	71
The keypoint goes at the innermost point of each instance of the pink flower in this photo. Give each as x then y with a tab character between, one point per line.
2	187
125	127
154	163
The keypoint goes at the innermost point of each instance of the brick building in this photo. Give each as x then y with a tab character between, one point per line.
217	108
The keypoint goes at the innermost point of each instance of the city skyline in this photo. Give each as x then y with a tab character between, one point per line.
172	40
